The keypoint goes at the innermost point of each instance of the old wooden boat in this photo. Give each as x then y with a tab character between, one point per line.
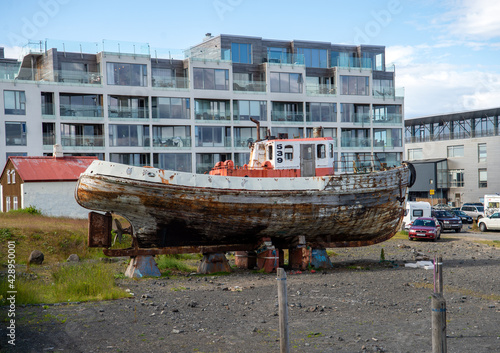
288	191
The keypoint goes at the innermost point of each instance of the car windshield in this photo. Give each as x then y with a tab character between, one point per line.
423	223
459	213
480	208
443	214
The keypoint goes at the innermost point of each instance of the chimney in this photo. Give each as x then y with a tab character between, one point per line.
207	36
58	153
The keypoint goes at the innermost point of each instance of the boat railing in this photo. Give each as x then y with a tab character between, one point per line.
362	163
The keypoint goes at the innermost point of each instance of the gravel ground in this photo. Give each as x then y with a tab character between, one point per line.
361	305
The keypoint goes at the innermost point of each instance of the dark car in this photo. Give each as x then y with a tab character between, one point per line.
425	228
448	220
463	216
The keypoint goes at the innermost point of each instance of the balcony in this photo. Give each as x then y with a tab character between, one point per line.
320	90
72	78
355	142
388	93
357	119
174	142
48	109
285	59
287	116
208	54
128	113
389	119
211	115
249	86
173	83
76	110
82	141
352	63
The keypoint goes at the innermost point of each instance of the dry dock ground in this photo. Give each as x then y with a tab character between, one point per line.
361	305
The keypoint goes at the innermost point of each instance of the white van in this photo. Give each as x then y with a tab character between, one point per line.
491	204
415	209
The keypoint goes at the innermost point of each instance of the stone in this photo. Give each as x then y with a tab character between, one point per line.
73	258
36	257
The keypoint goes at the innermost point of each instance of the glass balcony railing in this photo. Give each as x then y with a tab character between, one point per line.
249	86
388	143
49	139
48	109
286	116
388	119
128	112
171	141
82	141
388	93
81	110
320	90
285	59
313	117
243	142
354	63
171	82
353	142
357	118
210	115
61	76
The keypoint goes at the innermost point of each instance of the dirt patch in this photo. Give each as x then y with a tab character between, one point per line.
363	304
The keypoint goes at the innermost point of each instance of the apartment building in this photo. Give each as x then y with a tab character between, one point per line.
125	103
455	155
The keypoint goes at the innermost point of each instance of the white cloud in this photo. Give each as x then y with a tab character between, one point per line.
476	19
12	52
438	87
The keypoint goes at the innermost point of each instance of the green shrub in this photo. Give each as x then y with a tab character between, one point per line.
28	210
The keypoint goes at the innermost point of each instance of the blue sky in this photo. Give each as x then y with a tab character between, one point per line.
446	53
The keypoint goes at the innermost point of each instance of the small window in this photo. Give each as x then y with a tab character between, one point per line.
321	151
418	213
13	176
331	150
14	206
288	152
270	152
7	204
8	177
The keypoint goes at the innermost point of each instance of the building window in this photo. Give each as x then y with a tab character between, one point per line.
13	176
128	107
321	151
122	74
129	135
173	161
212	136
88	105
241	53
415	153
289	152
14	203
206	161
8	177
15	133
354	85
456	177
481	152
217	79
314	57
483	178
205	109
171	108
82	135
49	134
136	159
455	151
317	112
287	111
47	103
7	204
172	136
244	110
245	136
285	82
14	102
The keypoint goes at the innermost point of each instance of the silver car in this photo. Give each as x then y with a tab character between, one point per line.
475	211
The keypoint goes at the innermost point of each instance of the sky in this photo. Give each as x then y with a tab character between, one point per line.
446	53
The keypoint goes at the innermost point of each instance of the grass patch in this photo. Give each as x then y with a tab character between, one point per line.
492	243
176	262
67	283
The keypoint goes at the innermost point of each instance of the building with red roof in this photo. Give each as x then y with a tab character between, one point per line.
46	183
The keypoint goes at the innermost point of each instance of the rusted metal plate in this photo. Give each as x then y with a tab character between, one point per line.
100	230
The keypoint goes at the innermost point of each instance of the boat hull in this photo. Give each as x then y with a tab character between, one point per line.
165	211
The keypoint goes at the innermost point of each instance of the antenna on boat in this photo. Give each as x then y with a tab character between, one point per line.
258	127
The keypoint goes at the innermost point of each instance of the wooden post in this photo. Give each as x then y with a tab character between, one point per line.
438	275
438	305
283	310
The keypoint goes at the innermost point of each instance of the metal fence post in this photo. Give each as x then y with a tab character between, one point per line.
283	310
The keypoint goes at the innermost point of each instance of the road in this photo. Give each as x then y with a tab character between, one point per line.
467	233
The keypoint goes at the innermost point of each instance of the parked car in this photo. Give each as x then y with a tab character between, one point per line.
491	222
463	216
475	211
448	220
425	228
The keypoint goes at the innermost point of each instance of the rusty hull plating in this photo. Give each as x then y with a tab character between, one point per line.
172	210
